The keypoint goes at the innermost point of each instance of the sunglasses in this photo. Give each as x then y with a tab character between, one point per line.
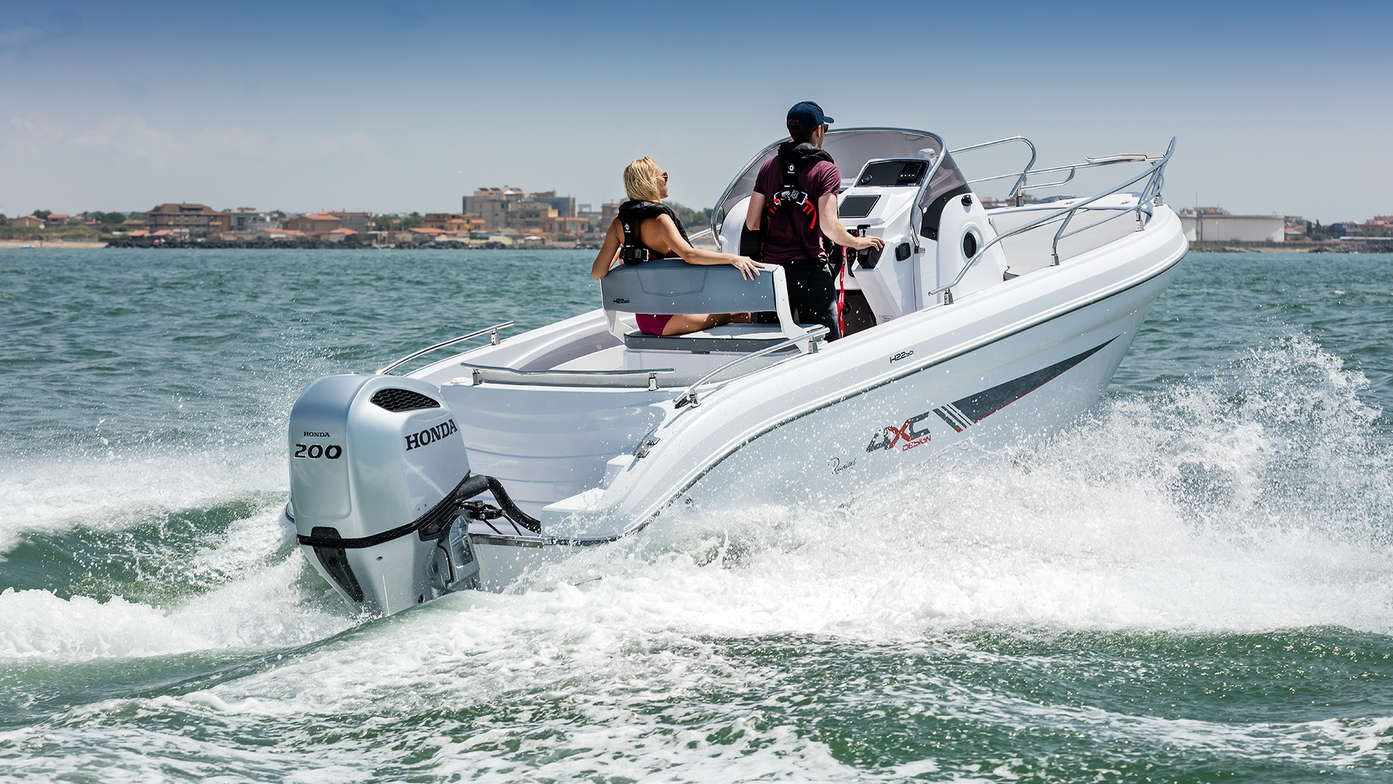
664	176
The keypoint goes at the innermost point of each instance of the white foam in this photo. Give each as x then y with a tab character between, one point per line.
1181	510
117	491
39	624
253	606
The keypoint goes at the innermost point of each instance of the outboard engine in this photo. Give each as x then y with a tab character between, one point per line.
378	479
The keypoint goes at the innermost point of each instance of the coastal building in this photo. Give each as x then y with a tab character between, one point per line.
532	217
512	208
279	234
187	219
445	221
1297	228
565	206
453	222
313	225
572	229
491	204
247	220
608	212
1215	224
26	222
357	221
1377	226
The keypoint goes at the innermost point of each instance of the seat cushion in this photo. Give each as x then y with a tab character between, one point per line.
734	338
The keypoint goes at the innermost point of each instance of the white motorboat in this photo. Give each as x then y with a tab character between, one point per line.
974	326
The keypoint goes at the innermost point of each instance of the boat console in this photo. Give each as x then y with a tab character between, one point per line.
904	187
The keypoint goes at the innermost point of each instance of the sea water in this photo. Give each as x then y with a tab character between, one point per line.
1194	582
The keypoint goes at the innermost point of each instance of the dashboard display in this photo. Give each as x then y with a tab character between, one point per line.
892	174
857	206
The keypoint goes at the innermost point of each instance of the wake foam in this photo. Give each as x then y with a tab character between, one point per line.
1256	500
245	591
1252	501
114	491
267	609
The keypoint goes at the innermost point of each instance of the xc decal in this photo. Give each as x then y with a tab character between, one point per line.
906	436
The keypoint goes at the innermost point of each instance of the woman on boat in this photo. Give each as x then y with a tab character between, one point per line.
647	229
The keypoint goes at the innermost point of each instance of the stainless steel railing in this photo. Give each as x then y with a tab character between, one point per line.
811	334
1151	192
638	377
1071	168
1020	176
492	332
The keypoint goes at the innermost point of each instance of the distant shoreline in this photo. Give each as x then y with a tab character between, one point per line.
56	243
1327	246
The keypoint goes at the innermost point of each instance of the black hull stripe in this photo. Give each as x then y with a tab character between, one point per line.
989	401
963	422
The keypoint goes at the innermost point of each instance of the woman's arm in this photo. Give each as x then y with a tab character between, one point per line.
672	238
608	251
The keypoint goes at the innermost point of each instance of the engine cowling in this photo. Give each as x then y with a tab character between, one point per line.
377	466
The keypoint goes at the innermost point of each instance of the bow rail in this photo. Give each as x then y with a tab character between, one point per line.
1149	196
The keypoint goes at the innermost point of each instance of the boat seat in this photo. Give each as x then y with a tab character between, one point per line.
674	286
734	338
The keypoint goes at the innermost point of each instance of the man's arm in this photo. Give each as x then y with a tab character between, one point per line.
755	216
752	235
833	229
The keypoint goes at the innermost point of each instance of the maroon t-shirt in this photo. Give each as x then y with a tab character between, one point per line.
788	240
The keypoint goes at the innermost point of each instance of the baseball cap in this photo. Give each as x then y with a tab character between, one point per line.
806	115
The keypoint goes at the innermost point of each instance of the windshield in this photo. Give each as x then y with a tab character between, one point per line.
851	148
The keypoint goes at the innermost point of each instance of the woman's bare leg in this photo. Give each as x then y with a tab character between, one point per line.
682	323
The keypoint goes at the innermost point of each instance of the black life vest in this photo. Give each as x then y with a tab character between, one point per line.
791	201
632	214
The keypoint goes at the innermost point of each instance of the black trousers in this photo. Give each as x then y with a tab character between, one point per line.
812	293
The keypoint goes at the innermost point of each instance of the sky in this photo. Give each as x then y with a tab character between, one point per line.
1277	107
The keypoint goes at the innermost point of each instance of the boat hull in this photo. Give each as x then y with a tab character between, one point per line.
1023	384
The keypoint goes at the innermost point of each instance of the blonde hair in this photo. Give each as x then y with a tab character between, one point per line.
642	180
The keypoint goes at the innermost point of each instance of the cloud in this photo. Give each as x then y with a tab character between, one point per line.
15	37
